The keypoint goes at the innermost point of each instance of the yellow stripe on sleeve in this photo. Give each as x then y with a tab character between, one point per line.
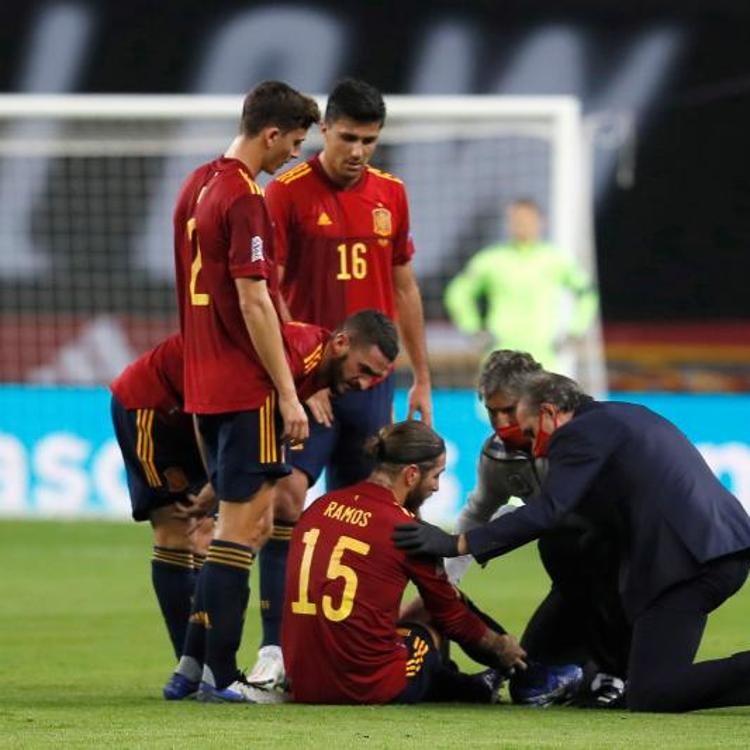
314	353
254	187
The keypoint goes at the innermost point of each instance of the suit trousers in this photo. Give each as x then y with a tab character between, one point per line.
662	675
581	619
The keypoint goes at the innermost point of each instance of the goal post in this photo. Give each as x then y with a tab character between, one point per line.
87	184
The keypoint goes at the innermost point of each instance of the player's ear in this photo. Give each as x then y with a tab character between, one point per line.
411	475
340	343
551	411
271	135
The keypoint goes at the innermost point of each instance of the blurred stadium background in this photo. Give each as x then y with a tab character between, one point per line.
629	129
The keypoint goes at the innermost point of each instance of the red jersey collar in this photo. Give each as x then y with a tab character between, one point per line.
227	162
318	167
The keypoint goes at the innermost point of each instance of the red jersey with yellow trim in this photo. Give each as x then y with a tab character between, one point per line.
222	232
344	584
154	380
338	246
305	344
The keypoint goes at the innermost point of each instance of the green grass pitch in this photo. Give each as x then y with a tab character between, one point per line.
83	656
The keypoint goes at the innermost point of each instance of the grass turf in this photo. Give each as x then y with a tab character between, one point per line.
83	656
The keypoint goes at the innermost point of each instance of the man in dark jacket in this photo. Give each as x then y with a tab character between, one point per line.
580	620
684	540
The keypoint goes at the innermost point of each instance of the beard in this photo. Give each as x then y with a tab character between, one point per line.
415	499
338	384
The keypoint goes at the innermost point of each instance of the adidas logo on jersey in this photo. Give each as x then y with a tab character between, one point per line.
324	220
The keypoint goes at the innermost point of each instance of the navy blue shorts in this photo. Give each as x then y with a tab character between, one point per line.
338	449
423	663
162	462
243	450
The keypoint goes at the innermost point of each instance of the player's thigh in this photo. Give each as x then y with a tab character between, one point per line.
311	457
203	534
245	457
367	410
289	498
249	523
243	452
141	441
170	531
423	661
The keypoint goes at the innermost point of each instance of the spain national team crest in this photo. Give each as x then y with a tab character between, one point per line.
381	222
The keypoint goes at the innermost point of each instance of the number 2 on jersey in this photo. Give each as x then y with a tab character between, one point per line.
336	569
352	261
196	298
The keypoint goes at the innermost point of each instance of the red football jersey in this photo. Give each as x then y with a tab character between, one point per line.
338	246
222	232
344	584
305	344
154	380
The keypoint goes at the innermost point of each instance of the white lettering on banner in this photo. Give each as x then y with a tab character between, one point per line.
63	483
730	461
55	479
107	474
14	476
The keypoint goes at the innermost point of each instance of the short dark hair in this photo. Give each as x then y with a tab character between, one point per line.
525	201
276	104
551	388
368	327
357	100
403	443
505	370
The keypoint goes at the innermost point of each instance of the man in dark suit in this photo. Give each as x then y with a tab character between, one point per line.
684	540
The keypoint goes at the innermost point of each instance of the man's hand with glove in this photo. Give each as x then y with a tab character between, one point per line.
425	539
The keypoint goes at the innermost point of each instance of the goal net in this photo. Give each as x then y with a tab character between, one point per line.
87	185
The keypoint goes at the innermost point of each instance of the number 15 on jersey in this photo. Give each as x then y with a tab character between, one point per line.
336	569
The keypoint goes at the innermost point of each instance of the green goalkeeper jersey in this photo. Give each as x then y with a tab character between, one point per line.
525	288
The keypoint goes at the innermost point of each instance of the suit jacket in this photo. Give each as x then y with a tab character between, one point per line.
634	474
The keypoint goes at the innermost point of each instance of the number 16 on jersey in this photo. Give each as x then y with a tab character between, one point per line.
352	261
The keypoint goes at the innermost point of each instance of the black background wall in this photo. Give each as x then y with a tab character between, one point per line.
672	242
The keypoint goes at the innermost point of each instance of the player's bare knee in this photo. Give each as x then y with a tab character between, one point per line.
246	522
262	530
289	498
169	531
203	534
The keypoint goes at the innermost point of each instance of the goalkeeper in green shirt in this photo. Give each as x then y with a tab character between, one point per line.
524	283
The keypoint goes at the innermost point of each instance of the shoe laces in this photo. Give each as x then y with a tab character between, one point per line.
603	681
